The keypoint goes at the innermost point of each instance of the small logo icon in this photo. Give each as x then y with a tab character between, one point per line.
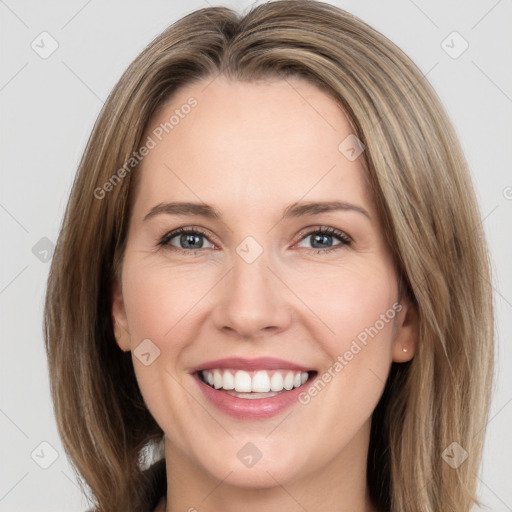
44	455
44	45
146	352
43	249
454	45
454	455
249	249
249	454
351	147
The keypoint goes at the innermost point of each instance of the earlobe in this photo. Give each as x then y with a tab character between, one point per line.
406	333
119	322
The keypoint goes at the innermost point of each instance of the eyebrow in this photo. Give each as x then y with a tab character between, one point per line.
298	209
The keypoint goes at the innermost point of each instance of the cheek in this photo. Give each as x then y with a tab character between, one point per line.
353	302
158	297
161	303
358	306
156	307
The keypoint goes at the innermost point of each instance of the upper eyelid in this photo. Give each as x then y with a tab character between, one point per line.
175	232
323	229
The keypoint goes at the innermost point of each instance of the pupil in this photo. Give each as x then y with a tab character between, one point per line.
323	239
186	239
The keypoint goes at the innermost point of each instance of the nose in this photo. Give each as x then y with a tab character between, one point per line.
251	300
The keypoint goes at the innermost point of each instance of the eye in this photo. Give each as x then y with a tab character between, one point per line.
322	238
189	240
184	240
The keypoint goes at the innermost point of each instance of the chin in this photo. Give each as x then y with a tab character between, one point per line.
258	477
250	467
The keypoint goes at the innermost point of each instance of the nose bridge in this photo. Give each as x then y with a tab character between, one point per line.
250	274
252	298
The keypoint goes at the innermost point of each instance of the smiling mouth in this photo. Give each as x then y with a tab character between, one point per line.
254	384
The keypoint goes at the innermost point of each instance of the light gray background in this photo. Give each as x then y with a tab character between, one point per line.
48	110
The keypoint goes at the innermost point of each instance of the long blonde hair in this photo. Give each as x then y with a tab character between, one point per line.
424	196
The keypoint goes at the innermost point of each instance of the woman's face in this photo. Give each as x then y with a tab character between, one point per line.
271	273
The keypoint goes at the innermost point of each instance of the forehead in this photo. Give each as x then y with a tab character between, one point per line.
249	143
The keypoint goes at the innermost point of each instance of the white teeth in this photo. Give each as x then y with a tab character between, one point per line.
257	382
261	382
242	381
288	381
217	379
276	382
229	380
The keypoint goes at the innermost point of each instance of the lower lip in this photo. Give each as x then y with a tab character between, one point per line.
251	409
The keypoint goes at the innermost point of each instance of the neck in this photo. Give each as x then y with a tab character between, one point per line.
338	485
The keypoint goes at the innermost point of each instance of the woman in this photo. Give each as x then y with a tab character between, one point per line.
186	306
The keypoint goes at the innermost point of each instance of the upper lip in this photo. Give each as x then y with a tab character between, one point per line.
259	363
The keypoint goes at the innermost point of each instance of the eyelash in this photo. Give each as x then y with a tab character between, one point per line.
324	230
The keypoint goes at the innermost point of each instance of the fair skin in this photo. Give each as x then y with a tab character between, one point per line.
250	150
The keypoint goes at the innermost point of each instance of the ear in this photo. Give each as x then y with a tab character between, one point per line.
406	332
119	320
